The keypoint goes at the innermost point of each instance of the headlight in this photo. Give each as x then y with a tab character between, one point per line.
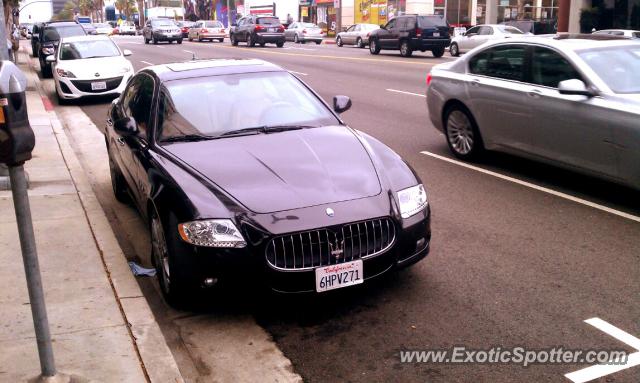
412	200
48	51
124	70
212	233
64	73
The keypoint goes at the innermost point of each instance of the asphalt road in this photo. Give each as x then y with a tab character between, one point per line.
510	265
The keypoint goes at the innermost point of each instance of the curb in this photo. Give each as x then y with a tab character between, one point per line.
156	360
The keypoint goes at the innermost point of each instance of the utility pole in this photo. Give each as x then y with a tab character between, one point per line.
338	15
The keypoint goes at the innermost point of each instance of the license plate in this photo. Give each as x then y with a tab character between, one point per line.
273	29
337	276
436	34
98	85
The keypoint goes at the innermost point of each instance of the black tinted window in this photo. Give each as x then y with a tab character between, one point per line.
138	100
56	33
548	68
505	62
391	24
431	21
268	21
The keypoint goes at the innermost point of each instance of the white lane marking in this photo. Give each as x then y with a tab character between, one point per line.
600	370
537	187
146	62
300	73
130	42
160	47
409	93
300	49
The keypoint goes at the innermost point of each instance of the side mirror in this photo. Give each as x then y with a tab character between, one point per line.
50	59
126	52
115	101
575	87
126	126
382	26
341	104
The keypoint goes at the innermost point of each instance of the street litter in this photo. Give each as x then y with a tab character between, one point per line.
139	270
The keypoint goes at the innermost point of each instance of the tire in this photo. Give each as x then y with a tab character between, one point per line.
262	45
199	39
155	41
173	272
318	42
250	42
179	41
374	47
280	44
46	71
189	39
405	49
234	42
360	43
118	184
221	40
296	39
462	134
454	50
339	41
146	40
62	101
438	52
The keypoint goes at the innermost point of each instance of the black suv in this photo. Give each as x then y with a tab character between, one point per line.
410	33
258	29
49	38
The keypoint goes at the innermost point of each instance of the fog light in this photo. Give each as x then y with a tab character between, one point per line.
420	243
208	282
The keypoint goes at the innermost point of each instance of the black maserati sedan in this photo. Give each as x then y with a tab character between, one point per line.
242	171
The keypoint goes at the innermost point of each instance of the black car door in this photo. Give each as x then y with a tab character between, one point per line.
120	151
387	34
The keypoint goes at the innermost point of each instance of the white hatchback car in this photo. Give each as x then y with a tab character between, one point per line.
479	35
89	66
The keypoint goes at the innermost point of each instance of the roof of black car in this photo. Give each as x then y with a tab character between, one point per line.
215	67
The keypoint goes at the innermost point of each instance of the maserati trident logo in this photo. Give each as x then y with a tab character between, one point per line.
336	248
330	212
97	74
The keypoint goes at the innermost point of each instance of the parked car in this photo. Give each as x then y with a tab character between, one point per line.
570	102
261	30
184	27
35	38
161	30
207	30
89	66
357	34
282	207
127	28
410	33
89	28
619	32
300	32
49	39
103	28
480	34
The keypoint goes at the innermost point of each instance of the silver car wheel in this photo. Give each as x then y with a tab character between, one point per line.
460	132
159	246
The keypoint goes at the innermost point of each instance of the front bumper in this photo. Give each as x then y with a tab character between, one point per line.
411	244
270	38
160	36
73	88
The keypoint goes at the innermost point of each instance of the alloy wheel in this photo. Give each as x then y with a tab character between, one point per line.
460	133
160	253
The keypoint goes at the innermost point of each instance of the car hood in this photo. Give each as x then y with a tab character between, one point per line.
106	67
288	170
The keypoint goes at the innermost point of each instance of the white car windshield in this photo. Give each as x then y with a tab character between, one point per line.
618	67
216	105
213	24
510	30
88	49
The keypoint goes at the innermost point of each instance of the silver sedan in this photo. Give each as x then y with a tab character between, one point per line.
481	34
300	32
357	34
574	103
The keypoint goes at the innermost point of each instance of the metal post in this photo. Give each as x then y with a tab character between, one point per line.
339	18
4	52
32	269
228	14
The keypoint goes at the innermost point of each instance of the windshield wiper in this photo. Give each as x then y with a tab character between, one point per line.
188	138
95	57
265	129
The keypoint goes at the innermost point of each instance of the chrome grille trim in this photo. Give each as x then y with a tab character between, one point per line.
307	250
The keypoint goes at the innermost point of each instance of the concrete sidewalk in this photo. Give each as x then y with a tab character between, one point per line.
101	325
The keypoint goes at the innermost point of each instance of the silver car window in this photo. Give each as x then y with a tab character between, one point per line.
506	62
486	31
473	30
548	68
618	67
351	28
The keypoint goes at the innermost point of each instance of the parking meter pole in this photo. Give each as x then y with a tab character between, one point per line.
32	269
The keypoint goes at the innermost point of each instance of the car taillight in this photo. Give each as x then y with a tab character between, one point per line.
429	79
259	28
418	32
204	30
221	30
281	28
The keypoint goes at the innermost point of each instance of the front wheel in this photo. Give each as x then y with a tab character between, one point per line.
155	41
359	43
118	184
438	52
146	40
296	39
221	40
250	42
463	136
405	49
179	41
263	44
280	44
374	48
339	41
234	42
454	50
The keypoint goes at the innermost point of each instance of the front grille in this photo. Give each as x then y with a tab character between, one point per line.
330	246
85	85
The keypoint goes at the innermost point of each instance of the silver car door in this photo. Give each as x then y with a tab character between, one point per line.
572	130
484	34
348	35
464	43
497	95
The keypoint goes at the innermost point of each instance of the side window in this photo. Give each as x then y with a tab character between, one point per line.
486	31
410	23
473	30
139	105
548	68
391	24
128	94
505	62
355	28
170	122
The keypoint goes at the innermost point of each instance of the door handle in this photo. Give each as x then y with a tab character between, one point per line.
109	121
534	93
120	141
475	82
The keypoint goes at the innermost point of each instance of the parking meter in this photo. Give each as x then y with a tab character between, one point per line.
16	136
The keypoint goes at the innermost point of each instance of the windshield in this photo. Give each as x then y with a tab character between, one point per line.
431	21
217	105
510	30
268	21
618	67
88	49
213	24
163	23
56	33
